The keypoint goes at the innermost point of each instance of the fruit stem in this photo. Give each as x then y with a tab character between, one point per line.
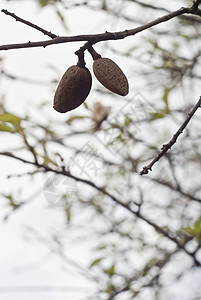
93	53
81	62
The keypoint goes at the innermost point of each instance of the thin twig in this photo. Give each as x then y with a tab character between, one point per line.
5	11
168	146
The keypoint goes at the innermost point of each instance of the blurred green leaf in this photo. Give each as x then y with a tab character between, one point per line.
10	123
73	118
11	201
47	160
135	293
101	247
127	122
60	16
62	19
85	105
158	115
163	112
96	261
43	3
195	230
197	226
110	271
149	264
165	99
185	36
68	213
6	117
4	127
109	289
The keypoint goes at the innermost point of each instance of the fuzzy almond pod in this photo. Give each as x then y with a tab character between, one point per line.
111	76
73	89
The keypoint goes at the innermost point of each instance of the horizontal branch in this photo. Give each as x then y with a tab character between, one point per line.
95	38
168	146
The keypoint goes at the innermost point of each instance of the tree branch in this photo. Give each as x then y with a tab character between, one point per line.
168	146
63	172
95	38
5	11
196	4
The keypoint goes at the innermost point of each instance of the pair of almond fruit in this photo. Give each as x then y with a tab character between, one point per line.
76	82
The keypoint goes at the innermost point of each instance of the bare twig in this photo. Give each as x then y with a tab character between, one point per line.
95	38
168	146
5	11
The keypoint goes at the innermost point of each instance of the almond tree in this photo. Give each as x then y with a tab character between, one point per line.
129	160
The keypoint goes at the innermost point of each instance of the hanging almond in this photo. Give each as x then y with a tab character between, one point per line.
111	76
73	89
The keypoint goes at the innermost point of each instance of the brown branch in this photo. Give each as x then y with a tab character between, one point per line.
5	11
95	38
63	172
196	3
168	146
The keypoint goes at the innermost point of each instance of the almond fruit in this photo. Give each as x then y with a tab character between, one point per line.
73	89
111	76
